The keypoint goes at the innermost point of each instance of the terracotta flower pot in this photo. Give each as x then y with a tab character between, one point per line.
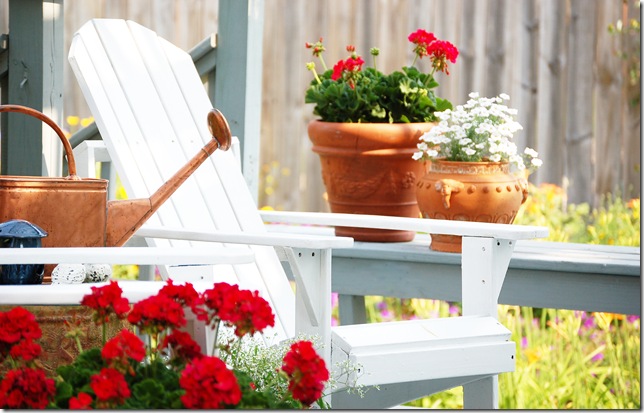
367	168
469	191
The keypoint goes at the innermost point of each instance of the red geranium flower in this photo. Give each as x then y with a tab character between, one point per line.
125	345
348	69
243	309
105	301
82	402
182	345
209	384
441	51
252	314
26	350
216	300
421	39
16	325
110	387
307	372
26	388
185	294
156	314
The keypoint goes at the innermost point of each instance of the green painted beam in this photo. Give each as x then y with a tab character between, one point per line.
239	78
35	79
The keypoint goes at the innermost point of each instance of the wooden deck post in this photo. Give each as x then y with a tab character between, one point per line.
35	79
238	92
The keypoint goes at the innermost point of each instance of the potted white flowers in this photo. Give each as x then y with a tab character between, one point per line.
476	172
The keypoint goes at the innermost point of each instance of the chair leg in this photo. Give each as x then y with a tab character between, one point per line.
352	309
312	272
481	394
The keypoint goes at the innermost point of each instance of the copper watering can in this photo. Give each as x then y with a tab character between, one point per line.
75	211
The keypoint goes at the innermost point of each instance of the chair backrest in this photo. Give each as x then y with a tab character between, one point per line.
150	106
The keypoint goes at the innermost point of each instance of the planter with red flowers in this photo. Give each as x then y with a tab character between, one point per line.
369	126
170	370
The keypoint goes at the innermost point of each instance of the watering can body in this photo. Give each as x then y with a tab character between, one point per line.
75	212
72	212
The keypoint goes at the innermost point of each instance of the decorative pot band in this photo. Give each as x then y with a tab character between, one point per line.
405	153
470	168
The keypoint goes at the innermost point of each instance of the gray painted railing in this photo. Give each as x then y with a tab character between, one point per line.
541	274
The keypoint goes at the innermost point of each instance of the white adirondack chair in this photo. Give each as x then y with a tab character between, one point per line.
150	107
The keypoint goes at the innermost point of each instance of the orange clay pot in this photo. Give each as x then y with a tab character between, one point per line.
367	168
469	191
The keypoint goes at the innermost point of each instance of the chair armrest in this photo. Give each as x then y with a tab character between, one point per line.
266	238
72	294
130	255
433	226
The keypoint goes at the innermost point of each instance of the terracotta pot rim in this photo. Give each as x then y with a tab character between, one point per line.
371	123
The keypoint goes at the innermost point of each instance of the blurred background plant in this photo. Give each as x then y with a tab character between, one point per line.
614	222
565	359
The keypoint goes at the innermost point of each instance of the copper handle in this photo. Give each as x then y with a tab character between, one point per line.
71	163
219	129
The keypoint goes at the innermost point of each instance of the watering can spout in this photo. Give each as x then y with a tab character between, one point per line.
125	217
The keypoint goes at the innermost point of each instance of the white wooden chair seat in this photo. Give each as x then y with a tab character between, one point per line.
150	107
394	352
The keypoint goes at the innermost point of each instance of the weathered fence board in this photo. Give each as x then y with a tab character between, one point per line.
576	112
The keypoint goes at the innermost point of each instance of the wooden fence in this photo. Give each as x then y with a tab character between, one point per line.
555	58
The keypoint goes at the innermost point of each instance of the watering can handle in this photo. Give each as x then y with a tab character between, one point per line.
219	129
71	163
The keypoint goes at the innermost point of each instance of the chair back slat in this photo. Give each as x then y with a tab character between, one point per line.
151	107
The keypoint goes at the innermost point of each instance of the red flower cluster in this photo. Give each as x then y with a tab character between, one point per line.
16	326
422	40
307	372
110	388
82	402
209	385
105	301
121	348
184	294
243	309
207	381
23	387
26	350
348	69
156	314
182	345
439	51
26	388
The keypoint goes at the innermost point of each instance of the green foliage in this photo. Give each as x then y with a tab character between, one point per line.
155	386
399	97
263	398
571	359
614	222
